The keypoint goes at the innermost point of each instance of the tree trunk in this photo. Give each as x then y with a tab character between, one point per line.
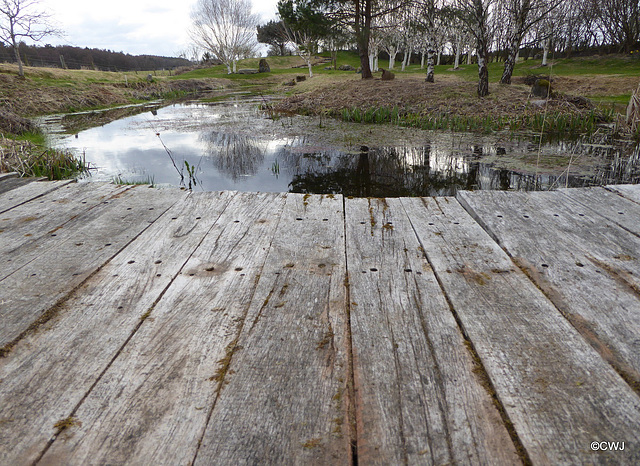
371	63
404	60
545	52
235	67
483	71
469	55
422	60
16	51
375	63
228	68
310	70
430	65
456	62
510	61
439	55
362	28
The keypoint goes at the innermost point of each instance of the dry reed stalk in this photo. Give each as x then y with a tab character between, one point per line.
633	111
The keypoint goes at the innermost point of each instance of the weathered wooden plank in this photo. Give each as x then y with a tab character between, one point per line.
612	206
283	394
557	391
630	191
28	293
418	398
136	413
6	176
49	373
31	229
9	181
28	192
588	266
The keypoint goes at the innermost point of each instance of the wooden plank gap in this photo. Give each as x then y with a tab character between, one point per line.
350	399
29	192
479	368
52	311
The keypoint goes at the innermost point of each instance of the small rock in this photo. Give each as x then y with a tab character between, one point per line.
346	68
542	88
149	78
263	66
387	75
301	78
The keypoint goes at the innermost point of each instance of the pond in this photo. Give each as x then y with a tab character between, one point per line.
235	145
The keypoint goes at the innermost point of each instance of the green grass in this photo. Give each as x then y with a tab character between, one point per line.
149	180
552	124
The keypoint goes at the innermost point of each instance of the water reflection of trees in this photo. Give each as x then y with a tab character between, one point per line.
417	171
233	154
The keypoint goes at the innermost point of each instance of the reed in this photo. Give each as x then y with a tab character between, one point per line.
554	123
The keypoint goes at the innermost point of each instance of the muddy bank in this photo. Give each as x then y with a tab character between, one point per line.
26	98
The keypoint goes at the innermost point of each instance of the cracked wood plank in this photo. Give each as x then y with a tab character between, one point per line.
48	373
555	388
160	390
28	192
419	397
587	265
29	230
28	293
283	394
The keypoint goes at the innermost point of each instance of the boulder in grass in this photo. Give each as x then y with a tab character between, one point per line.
541	88
263	66
387	75
346	68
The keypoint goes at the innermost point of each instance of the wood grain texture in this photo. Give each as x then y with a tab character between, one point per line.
589	266
37	286
49	373
283	396
29	230
418	398
557	391
160	390
612	206
28	192
630	191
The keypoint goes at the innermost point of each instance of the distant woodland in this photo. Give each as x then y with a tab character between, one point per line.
64	56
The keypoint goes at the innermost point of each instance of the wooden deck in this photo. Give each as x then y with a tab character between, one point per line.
147	326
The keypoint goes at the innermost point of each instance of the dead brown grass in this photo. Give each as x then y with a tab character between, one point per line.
450	95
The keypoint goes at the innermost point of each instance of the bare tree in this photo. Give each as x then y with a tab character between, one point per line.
524	14
226	28
479	16
21	19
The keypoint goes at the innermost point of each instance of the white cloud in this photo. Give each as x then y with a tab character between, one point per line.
154	27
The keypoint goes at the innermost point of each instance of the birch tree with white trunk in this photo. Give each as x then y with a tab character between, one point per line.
226	29
523	14
479	19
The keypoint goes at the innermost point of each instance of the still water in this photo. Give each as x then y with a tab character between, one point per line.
234	145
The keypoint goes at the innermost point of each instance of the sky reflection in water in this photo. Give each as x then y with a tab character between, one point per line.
234	146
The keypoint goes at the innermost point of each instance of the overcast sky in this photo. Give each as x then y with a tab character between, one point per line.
153	27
